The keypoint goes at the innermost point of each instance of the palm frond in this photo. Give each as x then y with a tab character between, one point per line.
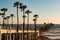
34	19
16	4
4	9
12	15
8	17
36	16
28	12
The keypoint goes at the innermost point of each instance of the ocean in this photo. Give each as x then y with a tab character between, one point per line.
21	25
30	25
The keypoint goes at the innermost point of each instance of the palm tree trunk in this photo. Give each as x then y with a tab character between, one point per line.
3	18
23	26
7	28
11	26
0	32
27	25
13	36
12	22
10	33
35	29
17	24
3	21
7	34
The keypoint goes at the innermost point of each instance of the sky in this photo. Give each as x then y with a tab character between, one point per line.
47	10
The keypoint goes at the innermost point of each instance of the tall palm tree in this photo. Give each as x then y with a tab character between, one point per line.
0	30
8	25
6	29
1	14
4	10
0	27
7	18
16	4
35	19
27	12
23	7
12	15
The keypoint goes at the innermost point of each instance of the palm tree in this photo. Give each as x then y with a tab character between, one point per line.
5	19
35	27
12	15
6	29
0	30
1	14
23	7
27	12
16	4
8	25
8	19
35	19
4	10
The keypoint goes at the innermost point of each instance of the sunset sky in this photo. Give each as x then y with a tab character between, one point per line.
48	10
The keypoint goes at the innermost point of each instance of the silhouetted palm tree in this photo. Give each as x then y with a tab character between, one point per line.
27	12
0	30
12	15
5	19
8	19
4	10
23	7
35	19
8	28
2	14
16	4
